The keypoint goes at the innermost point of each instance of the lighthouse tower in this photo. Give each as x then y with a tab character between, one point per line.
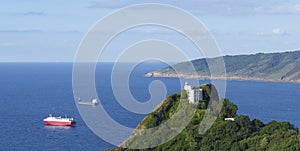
194	95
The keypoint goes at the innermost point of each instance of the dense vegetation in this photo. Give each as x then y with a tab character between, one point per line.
241	134
163	113
272	66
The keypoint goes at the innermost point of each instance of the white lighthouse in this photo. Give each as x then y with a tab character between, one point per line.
194	95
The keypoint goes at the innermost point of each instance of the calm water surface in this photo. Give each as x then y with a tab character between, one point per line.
31	91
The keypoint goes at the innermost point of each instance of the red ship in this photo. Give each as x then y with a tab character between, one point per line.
59	121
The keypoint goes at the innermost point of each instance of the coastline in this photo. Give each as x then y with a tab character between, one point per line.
200	77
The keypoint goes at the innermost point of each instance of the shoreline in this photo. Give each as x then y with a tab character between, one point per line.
233	78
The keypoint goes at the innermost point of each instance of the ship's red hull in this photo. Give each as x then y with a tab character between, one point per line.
59	123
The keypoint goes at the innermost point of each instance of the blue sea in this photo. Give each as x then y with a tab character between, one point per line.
31	91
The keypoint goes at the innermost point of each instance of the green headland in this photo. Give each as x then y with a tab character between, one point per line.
241	133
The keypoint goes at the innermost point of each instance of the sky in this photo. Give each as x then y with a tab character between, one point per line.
51	30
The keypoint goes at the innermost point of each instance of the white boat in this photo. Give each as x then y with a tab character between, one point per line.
93	102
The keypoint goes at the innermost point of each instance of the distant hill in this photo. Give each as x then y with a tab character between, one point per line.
262	66
240	134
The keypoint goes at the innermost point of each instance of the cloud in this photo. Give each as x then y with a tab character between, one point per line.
152	30
34	13
260	34
6	44
278	9
213	7
274	32
36	31
278	31
297	7
21	31
108	4
68	32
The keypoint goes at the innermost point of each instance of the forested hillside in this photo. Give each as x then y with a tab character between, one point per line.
269	67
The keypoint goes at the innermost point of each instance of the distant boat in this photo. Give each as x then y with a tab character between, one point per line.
59	121
93	102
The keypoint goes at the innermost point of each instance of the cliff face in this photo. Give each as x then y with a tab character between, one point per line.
240	134
266	67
